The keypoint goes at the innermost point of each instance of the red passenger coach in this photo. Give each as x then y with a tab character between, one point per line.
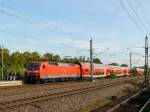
98	71
85	69
119	71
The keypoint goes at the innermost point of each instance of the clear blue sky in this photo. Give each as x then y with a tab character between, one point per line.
65	26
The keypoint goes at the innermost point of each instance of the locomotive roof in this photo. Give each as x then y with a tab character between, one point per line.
62	64
66	64
55	63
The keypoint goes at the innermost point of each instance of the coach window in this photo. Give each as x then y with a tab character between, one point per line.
43	66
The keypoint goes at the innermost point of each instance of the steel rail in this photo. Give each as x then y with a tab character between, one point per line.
145	106
30	100
45	89
115	108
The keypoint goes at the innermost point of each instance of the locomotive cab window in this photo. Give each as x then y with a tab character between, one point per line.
33	66
43	66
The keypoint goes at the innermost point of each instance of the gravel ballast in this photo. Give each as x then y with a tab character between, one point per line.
82	102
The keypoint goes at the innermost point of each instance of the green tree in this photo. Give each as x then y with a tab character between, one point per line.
134	72
35	56
97	60
6	59
48	56
124	65
76	59
28	57
56	58
115	64
65	60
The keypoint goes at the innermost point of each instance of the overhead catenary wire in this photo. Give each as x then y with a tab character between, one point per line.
57	12
18	14
137	61
62	15
23	36
140	4
32	20
100	53
137	15
132	18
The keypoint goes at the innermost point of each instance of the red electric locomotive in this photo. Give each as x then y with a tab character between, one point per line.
43	71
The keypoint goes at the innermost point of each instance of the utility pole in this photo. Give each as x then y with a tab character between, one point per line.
130	63
2	63
146	61
91	58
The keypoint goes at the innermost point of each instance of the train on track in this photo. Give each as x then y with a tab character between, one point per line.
45	71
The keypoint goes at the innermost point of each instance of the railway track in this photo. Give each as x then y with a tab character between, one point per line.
136	103
145	106
9	91
33	99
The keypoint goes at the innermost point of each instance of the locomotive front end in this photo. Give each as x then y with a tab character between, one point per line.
32	73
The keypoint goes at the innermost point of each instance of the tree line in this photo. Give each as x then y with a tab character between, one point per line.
17	62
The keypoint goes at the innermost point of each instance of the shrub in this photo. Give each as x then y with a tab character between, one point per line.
125	75
100	78
134	72
113	76
87	79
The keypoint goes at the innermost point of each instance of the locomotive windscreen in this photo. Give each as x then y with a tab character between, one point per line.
33	66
